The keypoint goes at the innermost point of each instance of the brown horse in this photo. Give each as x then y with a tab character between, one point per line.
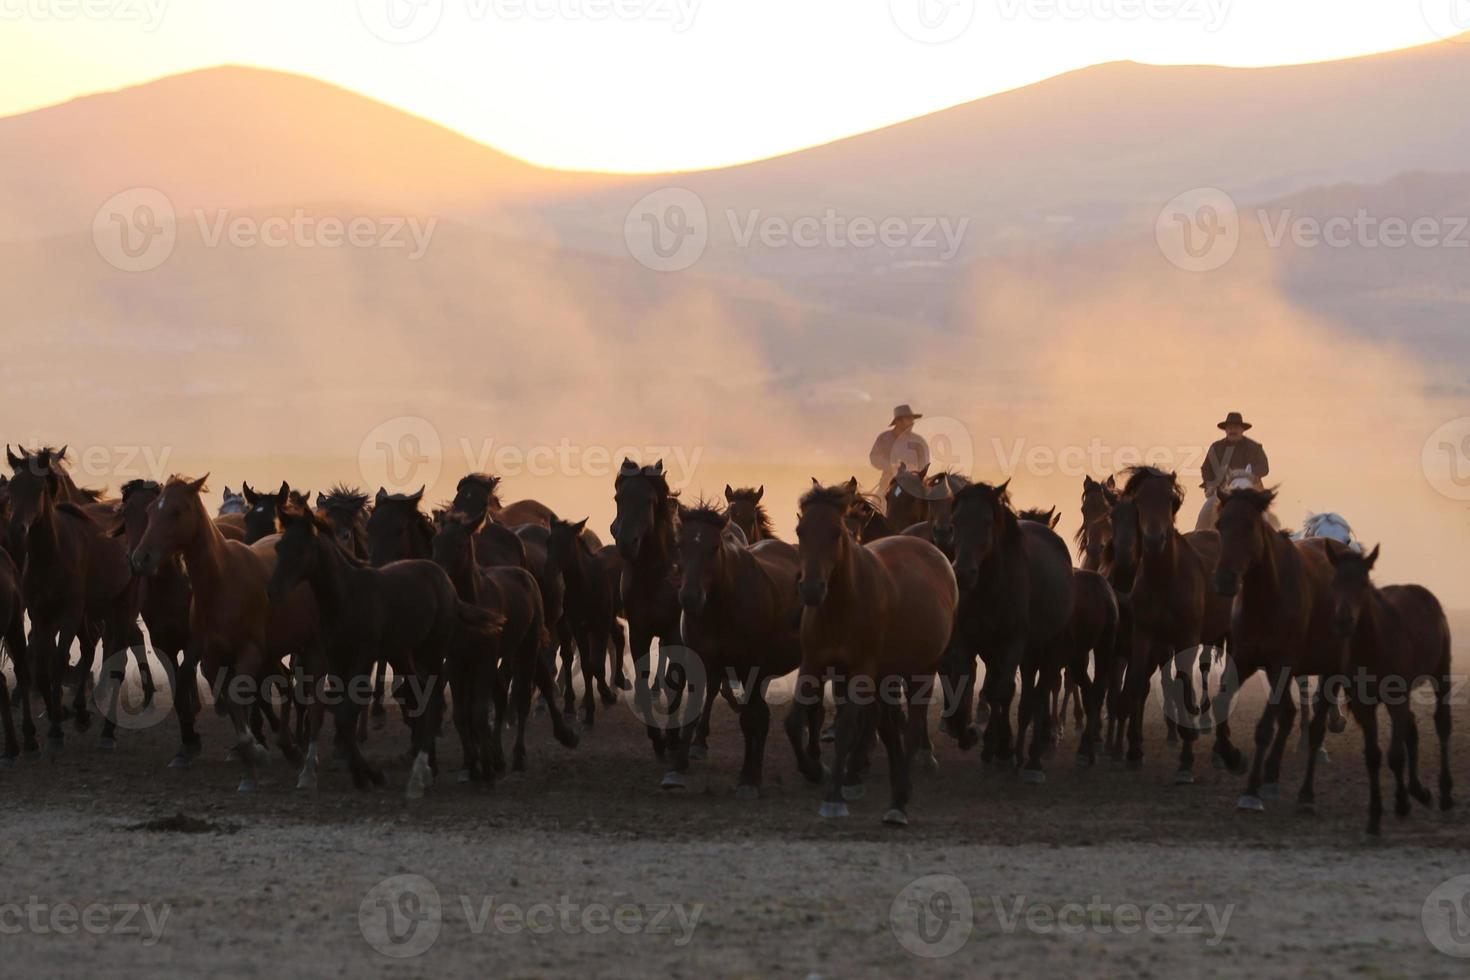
477	494
236	636
877	619
1173	610
1015	608
13	641
865	522
589	606
75	581
263	511
749	514
514	665
1397	637
644	531
1281	626
740	623
1096	529
907	500
346	510
406	612
1046	518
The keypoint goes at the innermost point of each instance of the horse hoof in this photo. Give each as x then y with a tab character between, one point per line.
107	743
463	776
831	810
1251	804
896	818
180	761
854	792
927	763
1306	808
1322	757
673	780
698	752
1271	791
1184	778
247	785
1033	777
623	684
1135	764
569	737
1219	762
747	792
1336	723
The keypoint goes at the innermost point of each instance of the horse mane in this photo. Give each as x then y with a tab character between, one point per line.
704	512
179	478
1000	494
1037	515
950	479
835	496
345	498
292	516
1259	499
72	510
138	486
1137	475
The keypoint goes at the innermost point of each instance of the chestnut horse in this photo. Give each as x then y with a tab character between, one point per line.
406	612
589	606
1281	626
1397	637
749	514
1015	609
1174	612
878	618
75	581
865	522
740	615
907	500
235	632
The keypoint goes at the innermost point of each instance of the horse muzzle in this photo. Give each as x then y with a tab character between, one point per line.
811	591
691	601
1227	583
142	562
1154	543
1344	626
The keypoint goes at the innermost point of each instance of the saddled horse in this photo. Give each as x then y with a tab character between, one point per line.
740	615
1174	610
1016	599
1242	478
75	581
1398	637
877	621
749	514
235	631
1281	626
406	612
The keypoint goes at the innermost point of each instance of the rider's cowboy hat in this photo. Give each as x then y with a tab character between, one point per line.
1233	419
901	412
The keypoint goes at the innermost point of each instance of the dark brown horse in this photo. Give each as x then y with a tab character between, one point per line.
13	641
865	522
644	531
1046	518
1173	610
1281	625
907	500
75	581
589	607
1397	637
1015	609
237	636
740	625
477	494
515	664
406	612
1096	529
263	511
749	514
346	510
877	621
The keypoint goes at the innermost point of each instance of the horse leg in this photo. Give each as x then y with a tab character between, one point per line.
41	649
618	637
1306	798
1206	661
1044	690
1411	743
755	725
713	687
248	748
642	641
378	714
1367	716
919	693
117	644
567	646
1276	697
86	638
806	695
16	642
900	783
1397	739
1285	722
1224	754
1304	698
140	659
546	684
1442	686
1189	718
846	725
429	704
591	673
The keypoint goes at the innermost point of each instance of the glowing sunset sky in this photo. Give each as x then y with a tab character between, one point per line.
674	84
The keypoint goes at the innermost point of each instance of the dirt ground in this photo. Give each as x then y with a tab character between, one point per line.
114	864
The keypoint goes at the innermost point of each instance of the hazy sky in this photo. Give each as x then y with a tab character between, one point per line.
670	84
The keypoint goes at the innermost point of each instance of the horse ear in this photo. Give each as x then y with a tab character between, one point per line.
61	453
1372	556
658	468
729	494
1112	482
418	496
924	471
816	483
319	498
198	485
902	467
14	460
1003	486
580	526
382	496
283	494
760	492
227	490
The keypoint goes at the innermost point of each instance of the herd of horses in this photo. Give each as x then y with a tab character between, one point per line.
938	592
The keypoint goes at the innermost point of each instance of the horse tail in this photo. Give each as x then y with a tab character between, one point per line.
479	620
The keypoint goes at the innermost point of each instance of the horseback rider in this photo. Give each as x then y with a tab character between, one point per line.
1236	451
898	443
